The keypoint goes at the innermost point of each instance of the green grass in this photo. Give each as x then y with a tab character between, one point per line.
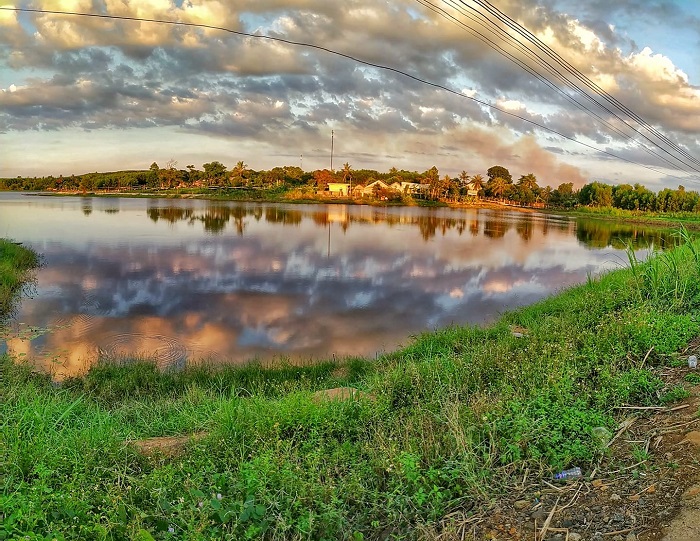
450	421
668	219
15	262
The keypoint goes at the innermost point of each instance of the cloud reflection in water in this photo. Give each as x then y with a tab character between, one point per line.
195	280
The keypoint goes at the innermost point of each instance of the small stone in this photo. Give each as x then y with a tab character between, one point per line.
521	504
692	492
615	497
693	438
575	536
539	515
631	537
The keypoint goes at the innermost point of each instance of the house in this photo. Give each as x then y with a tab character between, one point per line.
410	188
375	186
471	189
339	189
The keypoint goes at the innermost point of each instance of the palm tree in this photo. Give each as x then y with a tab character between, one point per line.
497	187
477	184
528	182
238	171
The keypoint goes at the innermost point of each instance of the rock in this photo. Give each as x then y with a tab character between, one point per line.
615	497
693	438
521	504
692	492
539	515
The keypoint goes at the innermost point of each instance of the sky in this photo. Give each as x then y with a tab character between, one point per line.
80	94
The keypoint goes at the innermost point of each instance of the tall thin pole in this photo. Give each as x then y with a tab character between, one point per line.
301	161
332	137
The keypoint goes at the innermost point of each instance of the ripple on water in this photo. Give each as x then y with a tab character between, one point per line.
167	352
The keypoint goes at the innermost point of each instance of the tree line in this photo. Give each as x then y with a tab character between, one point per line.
497	185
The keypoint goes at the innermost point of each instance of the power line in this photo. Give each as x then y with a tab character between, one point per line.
597	90
336	53
532	71
608	97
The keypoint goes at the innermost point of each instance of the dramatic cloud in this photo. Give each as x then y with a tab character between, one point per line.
60	72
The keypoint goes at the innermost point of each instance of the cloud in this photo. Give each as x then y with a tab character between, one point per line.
103	74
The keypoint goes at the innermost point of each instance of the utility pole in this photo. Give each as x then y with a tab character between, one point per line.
301	160
332	137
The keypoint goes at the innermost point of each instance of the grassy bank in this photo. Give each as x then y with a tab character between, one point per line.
15	262
444	425
690	220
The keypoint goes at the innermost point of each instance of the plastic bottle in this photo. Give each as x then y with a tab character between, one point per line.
573	473
692	361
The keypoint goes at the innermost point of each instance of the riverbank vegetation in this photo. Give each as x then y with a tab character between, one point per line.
15	262
439	427
290	183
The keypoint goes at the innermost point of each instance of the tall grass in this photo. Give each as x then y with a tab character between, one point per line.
444	425
15	262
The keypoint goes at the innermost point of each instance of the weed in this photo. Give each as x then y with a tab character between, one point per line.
674	394
693	378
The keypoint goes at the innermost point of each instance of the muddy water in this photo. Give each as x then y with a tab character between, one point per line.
189	280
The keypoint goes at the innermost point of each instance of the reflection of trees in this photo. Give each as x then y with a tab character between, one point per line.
524	227
320	218
495	228
86	203
276	215
597	234
215	219
170	214
474	228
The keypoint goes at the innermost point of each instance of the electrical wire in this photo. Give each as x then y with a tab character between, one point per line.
532	71
577	74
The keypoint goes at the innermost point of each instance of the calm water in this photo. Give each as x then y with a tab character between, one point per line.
179	280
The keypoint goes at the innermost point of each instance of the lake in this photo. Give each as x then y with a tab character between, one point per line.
190	280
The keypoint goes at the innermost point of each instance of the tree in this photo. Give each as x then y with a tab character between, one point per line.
497	187
498	171
168	176
347	176
238	173
528	182
477	184
153	174
596	194
214	172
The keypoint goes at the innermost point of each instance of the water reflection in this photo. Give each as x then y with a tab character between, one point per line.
187	280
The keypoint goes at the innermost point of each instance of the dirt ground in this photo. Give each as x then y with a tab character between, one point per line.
646	487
